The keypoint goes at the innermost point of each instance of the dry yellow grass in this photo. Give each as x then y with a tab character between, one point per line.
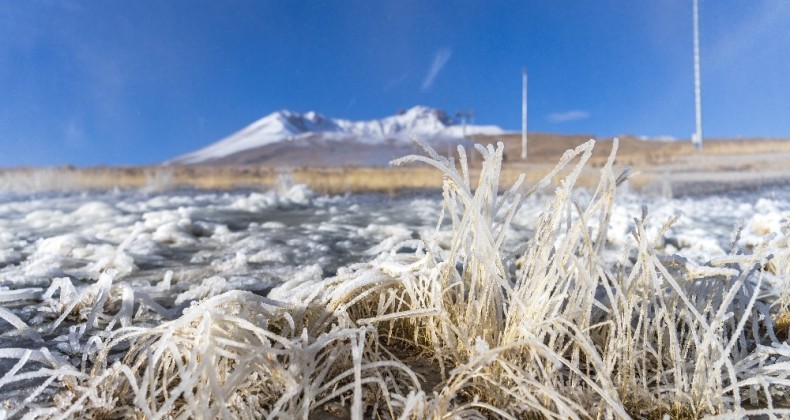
659	163
323	180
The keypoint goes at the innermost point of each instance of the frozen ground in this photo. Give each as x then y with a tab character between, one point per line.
181	246
255	240
258	239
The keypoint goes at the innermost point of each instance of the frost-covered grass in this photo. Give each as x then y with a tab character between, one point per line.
438	327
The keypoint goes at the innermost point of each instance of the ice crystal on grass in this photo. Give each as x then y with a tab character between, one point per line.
445	330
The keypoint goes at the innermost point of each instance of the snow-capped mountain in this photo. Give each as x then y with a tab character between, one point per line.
286	126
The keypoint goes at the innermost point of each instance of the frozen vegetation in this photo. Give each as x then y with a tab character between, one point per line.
479	303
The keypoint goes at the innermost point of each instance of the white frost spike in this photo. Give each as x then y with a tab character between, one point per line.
164	285
481	346
102	290
12	319
20	294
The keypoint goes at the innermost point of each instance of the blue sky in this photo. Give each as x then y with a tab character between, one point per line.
138	82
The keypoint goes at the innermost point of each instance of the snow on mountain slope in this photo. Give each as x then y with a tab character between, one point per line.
280	126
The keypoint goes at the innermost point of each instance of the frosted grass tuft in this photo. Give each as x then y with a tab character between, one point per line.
448	330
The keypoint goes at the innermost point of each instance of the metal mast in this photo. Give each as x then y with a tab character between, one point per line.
697	137
464	116
524	114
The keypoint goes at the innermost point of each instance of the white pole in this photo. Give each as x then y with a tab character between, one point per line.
464	116
697	138
524	114
463	125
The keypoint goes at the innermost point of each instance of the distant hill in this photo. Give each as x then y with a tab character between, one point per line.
287	138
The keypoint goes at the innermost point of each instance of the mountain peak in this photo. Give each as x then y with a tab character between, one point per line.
285	125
